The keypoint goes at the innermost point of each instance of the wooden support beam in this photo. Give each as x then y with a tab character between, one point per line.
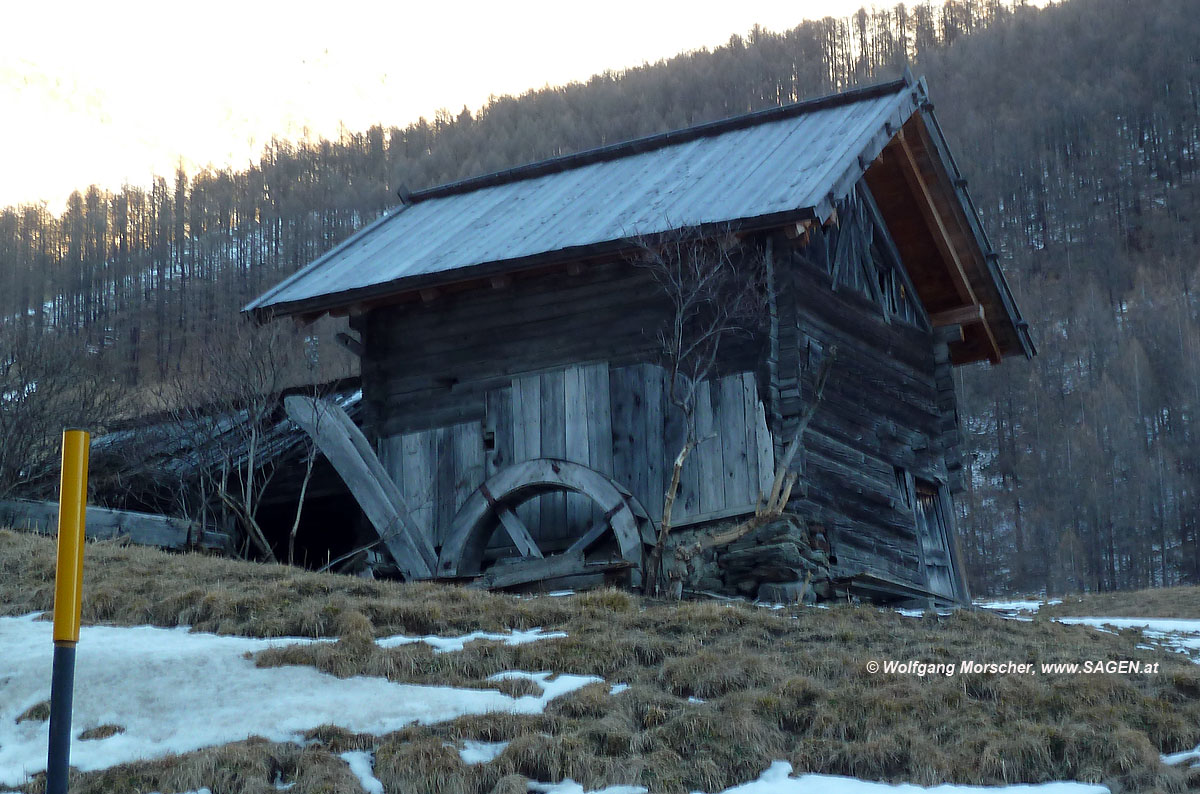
344	445
975	317
593	534
963	315
532	569
517	532
595	531
994	354
575	269
888	246
144	529
799	231
502	281
937	228
350	343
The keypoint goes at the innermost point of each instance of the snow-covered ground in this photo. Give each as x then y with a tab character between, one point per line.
1016	606
1179	634
778	779
448	644
182	691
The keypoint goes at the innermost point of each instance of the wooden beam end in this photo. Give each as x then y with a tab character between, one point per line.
963	315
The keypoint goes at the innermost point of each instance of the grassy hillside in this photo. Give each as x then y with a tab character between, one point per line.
786	684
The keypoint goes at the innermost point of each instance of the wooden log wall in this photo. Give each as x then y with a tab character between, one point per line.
431	364
886	412
464	383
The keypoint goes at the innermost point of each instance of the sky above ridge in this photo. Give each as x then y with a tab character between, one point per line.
108	93
112	93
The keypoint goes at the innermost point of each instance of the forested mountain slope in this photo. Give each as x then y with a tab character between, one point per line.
1078	125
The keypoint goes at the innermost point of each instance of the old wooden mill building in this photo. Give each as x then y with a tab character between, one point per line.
513	385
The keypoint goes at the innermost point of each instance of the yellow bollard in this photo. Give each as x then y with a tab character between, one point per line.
72	500
68	601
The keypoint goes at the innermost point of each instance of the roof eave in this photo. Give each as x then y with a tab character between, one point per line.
1013	316
349	300
262	309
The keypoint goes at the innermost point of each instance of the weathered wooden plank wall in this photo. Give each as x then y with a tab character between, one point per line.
615	421
436	470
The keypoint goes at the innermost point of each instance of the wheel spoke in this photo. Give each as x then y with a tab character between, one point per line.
517	531
598	528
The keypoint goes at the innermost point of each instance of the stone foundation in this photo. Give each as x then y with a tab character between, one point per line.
782	561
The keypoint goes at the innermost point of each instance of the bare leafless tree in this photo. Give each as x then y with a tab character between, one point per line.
715	288
47	382
232	429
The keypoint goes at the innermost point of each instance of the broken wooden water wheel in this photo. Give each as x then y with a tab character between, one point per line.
614	541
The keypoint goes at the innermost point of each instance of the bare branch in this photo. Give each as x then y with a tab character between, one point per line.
714	286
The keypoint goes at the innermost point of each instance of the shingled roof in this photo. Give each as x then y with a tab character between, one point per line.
757	171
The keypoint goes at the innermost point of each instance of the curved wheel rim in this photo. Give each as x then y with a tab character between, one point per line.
462	553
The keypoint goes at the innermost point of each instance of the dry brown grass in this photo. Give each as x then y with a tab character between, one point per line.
1166	602
100	732
791	684
38	712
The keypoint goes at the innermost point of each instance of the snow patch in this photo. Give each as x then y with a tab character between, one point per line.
1178	634
1175	759
560	686
362	766
1014	606
480	752
778	780
448	644
175	692
617	689
1017	605
569	786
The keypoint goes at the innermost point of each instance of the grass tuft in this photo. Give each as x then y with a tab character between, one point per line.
39	712
101	732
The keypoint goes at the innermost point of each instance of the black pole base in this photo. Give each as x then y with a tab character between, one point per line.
62	692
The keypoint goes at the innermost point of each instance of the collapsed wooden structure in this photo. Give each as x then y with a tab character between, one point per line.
513	389
155	479
144	529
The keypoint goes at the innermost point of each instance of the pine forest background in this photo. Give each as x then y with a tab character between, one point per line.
1078	125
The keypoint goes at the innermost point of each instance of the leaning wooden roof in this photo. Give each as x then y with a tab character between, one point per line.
763	170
